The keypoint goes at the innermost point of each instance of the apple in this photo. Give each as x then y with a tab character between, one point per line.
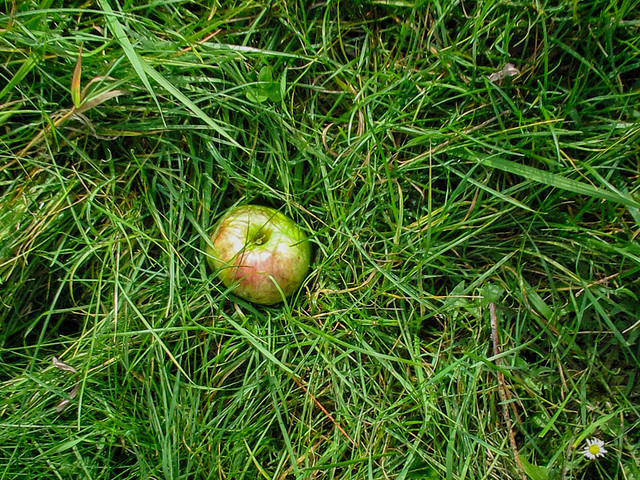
260	253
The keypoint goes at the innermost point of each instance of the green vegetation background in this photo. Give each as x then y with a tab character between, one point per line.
429	189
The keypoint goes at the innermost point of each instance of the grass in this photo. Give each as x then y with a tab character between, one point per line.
430	193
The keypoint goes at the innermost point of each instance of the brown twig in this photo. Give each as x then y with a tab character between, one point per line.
325	411
10	20
597	282
199	42
501	388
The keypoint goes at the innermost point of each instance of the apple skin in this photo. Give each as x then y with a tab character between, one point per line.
252	246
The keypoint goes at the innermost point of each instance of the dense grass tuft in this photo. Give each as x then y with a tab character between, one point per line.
431	192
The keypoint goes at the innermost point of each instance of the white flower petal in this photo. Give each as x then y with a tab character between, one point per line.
594	448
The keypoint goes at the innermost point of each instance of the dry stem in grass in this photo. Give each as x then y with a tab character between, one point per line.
326	412
504	397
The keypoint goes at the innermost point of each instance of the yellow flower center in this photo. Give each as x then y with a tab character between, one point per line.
594	449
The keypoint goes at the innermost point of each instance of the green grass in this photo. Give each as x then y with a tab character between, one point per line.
428	192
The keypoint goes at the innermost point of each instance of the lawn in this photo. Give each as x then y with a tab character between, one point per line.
468	174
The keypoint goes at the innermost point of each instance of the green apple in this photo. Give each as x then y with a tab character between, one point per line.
260	253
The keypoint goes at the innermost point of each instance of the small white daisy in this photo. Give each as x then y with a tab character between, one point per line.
594	448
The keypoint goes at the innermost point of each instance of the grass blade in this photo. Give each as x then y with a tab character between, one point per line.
553	180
